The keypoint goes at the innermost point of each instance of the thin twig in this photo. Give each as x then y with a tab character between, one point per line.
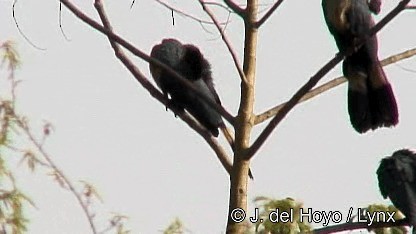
329	85
219	5
268	14
406	69
21	123
20	30
57	170
359	225
220	109
213	143
291	103
180	12
236	8
315	79
60	23
226	41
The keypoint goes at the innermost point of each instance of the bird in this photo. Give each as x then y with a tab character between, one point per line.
371	101
188	61
397	180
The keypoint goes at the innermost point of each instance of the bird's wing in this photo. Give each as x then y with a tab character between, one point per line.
397	180
359	18
207	78
386	181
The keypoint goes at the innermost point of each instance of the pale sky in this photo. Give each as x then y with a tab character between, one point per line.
152	167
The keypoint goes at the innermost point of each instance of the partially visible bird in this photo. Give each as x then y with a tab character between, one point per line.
187	60
397	180
371	102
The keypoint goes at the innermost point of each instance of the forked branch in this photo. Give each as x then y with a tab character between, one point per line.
315	79
220	109
226	41
268	14
236	8
329	85
180	12
212	142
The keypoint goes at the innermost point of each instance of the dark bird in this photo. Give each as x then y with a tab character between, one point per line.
371	102
188	61
397	180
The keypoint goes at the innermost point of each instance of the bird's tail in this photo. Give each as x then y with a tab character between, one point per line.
359	109
382	101
371	102
358	94
230	139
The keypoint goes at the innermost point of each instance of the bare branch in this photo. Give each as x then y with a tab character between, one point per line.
236	8
219	5
329	85
58	172
359	225
213	143
393	13
20	30
220	109
60	23
226	41
244	121
410	7
315	79
268	14
180	12
292	102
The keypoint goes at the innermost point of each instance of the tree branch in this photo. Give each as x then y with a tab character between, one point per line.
244	121
315	79
57	170
291	103
212	142
20	30
268	14
220	109
236	8
201	21
359	225
226	41
329	85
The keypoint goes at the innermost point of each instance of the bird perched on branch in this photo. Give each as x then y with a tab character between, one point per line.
397	180
189	62
371	102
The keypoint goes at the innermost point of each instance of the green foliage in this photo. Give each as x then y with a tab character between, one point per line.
9	55
397	216
12	124
12	200
176	227
289	205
